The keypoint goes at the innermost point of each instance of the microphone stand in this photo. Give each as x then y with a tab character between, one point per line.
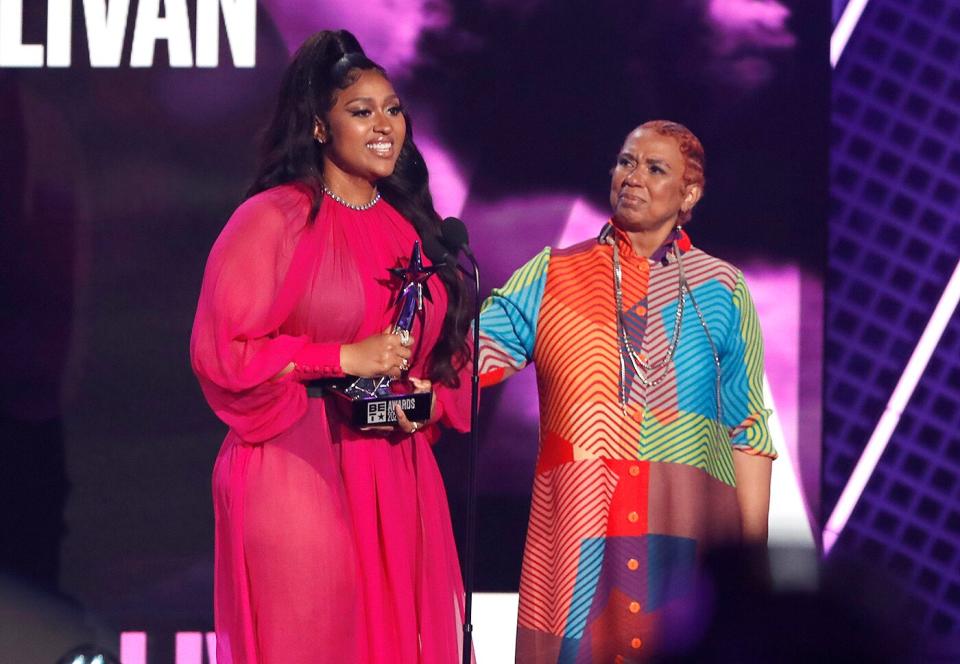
472	480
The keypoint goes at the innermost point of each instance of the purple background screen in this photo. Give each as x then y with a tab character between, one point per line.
115	182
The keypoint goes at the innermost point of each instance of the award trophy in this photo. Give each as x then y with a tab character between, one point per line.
371	401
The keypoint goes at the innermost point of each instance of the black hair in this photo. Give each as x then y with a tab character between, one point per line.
326	63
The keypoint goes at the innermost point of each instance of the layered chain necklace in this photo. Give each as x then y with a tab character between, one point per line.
648	374
651	374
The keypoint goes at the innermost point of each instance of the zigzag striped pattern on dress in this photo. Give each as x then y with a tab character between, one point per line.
511	315
569	506
588	573
746	435
605	471
577	361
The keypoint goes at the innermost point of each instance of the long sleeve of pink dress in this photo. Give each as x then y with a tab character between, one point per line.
332	545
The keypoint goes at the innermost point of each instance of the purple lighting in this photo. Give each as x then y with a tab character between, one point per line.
845	27
743	30
755	22
891	414
133	647
388	30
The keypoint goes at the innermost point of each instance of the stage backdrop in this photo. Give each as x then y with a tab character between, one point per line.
128	137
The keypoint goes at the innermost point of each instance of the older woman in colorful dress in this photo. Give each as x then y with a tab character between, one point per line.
333	544
653	431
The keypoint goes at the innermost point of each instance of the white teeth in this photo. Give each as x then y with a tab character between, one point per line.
380	148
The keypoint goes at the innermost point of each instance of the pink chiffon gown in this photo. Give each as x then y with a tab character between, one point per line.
332	545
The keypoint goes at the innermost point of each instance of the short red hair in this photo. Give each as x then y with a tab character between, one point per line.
690	147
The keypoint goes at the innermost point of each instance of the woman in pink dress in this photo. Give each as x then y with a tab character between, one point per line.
333	544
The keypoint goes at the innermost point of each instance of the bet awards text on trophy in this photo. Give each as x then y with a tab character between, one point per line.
372	401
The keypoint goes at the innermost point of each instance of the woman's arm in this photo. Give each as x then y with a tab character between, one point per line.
239	358
508	321
746	414
753	494
377	355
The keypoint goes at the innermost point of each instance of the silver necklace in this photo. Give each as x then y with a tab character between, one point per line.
706	331
653	373
643	370
365	206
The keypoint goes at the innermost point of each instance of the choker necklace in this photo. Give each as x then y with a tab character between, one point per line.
365	206
653	373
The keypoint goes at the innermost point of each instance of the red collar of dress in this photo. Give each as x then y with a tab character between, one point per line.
663	254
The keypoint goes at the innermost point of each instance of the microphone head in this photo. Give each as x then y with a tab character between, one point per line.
453	234
433	247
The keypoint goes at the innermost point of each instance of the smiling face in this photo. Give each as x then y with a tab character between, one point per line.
363	135
647	189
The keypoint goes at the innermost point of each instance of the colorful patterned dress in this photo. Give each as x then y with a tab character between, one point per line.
624	500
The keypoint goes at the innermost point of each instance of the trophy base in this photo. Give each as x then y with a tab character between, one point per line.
379	410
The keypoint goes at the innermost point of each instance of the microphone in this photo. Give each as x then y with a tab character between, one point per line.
452	240
454	236
435	249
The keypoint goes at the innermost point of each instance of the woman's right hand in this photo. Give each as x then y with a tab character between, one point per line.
378	355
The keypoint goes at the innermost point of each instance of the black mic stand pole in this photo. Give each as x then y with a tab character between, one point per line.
472	467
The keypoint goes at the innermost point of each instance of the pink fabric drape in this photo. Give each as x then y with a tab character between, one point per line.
332	545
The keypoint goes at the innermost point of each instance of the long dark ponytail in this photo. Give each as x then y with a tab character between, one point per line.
326	63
